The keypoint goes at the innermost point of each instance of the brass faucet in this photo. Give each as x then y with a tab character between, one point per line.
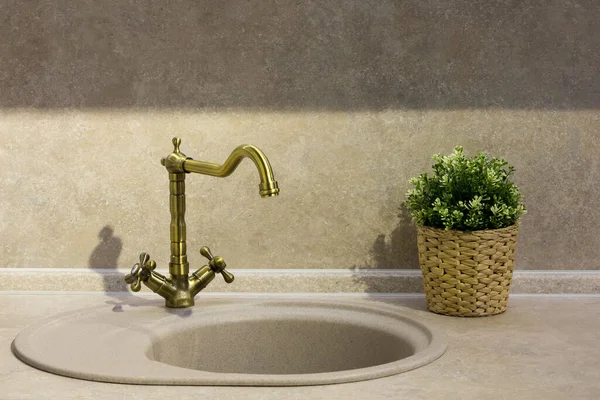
180	288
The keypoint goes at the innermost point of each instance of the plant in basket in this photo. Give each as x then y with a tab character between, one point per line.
467	215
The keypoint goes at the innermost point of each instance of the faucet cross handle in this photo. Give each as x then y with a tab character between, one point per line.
217	264
140	272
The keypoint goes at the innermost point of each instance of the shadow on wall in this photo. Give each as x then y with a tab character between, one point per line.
400	251
106	256
323	54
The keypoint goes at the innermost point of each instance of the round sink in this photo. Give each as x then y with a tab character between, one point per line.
281	346
258	343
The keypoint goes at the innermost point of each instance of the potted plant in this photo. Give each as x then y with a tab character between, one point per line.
467	216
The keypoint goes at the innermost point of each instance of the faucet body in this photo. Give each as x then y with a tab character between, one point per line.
179	289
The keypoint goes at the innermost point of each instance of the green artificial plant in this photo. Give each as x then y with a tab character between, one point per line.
466	194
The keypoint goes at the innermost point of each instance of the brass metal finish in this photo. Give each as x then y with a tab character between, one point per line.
179	289
268	185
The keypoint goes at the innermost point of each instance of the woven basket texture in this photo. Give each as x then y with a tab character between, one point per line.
467	274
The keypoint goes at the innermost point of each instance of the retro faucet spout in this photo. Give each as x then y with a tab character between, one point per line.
268	185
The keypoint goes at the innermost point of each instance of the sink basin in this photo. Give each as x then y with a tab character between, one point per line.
220	342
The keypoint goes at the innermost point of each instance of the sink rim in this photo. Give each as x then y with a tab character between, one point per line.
164	374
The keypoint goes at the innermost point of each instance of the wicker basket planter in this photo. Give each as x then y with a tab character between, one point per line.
467	274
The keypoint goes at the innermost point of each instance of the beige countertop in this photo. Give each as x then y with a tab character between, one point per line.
543	347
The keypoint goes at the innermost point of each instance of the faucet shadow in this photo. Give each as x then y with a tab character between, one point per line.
105	256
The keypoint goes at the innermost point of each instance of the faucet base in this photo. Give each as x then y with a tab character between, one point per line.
180	303
177	290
